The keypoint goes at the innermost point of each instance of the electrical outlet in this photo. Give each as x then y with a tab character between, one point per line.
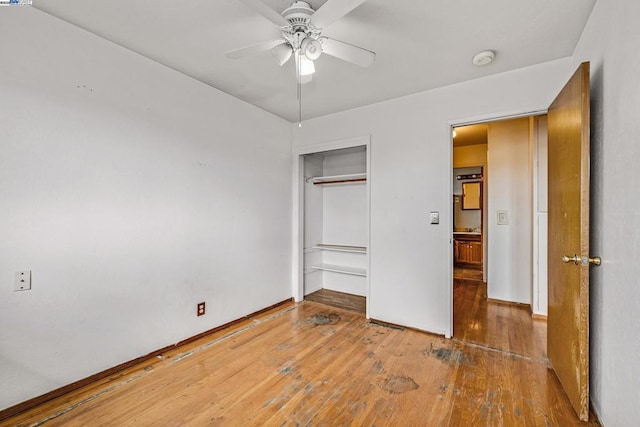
201	309
22	281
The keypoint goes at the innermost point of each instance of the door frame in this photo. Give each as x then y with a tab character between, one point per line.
297	262
466	121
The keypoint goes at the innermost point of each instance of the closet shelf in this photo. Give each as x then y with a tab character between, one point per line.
338	179
341	269
341	248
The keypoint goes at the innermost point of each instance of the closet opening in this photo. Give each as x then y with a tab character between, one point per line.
336	227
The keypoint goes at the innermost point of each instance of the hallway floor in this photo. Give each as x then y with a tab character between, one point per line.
496	325
467	273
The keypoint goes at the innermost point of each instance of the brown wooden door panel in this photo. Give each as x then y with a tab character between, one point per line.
568	318
475	255
467	251
464	252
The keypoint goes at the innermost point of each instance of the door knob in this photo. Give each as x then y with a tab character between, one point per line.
595	260
575	258
581	260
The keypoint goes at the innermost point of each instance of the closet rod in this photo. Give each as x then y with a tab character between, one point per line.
339	181
325	245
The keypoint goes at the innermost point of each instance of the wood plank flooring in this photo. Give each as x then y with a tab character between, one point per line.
310	364
467	273
506	327
339	299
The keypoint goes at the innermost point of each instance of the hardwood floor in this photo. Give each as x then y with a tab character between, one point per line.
505	327
310	364
467	273
339	299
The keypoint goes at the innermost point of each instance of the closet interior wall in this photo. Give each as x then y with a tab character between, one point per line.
335	221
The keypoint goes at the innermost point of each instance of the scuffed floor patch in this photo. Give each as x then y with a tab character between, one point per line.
397	384
324	319
448	355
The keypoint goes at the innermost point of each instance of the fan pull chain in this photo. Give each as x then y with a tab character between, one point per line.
300	107
299	77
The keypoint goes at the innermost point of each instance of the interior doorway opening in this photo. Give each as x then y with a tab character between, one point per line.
499	234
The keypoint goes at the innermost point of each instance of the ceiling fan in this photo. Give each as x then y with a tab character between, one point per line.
301	29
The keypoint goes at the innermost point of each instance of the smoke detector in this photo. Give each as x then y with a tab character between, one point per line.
484	58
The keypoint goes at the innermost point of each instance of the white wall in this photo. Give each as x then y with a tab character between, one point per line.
345	218
610	41
509	181
345	205
132	192
410	259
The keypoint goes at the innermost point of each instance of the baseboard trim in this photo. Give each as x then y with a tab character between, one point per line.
595	413
39	400
538	316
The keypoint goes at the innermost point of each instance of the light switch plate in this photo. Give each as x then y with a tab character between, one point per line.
503	217
22	281
435	217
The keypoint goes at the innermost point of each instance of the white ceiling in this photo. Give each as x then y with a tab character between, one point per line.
419	44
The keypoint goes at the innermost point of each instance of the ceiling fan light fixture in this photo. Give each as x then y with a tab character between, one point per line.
282	53
311	48
306	66
484	58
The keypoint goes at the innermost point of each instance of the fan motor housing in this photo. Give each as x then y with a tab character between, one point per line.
298	13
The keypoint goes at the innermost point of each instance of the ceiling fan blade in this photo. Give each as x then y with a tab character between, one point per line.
282	53
254	49
347	52
333	10
267	12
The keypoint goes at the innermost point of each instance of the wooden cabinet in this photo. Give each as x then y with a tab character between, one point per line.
467	250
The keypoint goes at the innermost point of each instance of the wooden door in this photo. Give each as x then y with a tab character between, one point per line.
568	252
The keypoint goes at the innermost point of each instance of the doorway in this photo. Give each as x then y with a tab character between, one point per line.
498	242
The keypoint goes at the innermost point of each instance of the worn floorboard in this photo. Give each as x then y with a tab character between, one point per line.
339	299
310	364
